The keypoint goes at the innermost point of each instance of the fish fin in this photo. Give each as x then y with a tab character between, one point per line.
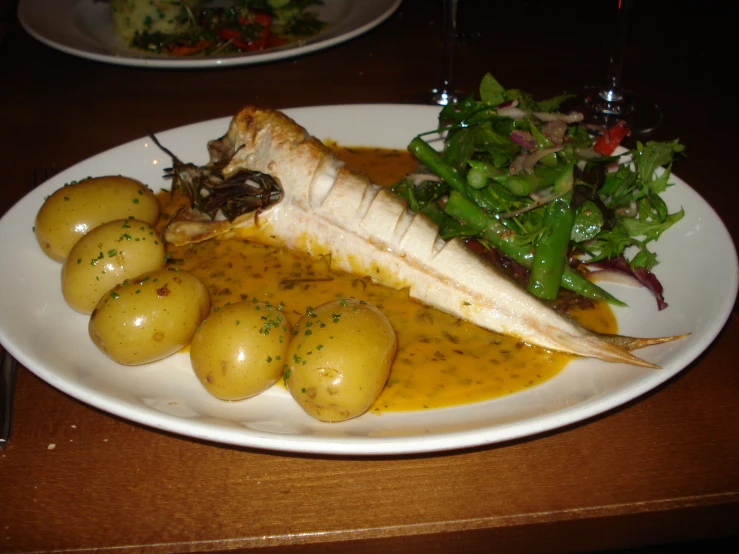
183	231
635	343
591	345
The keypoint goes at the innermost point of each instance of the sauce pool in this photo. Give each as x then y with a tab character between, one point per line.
441	360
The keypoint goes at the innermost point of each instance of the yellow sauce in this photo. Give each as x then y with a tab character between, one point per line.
441	361
383	166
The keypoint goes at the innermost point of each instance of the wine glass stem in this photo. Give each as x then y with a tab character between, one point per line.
449	32
613	91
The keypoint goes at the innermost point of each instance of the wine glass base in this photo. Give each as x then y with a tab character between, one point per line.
434	96
641	114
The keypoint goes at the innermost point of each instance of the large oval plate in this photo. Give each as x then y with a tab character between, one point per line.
84	28
51	339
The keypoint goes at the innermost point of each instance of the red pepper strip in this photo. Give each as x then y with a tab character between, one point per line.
608	142
187	49
265	20
235	38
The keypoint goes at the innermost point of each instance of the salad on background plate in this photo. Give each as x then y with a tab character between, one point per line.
188	34
203	27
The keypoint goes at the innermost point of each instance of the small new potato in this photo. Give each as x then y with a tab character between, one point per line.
239	351
150	317
339	359
77	208
108	255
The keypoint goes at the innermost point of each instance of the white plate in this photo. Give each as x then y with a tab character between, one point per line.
84	28
51	339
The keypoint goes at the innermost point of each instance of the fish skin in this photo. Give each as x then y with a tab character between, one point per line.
328	209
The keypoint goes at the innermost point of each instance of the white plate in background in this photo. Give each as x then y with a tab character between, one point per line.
84	28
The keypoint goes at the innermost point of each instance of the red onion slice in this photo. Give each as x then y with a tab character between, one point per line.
645	277
524	139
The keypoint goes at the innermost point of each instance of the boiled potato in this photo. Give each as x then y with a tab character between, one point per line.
239	351
150	317
77	208
108	255
339	359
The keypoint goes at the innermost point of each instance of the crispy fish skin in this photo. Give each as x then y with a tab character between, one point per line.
368	231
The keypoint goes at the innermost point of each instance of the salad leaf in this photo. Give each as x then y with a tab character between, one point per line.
644	259
491	91
652	155
553	103
420	196
651	229
503	157
588	222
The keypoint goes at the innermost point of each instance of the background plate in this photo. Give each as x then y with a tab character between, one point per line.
51	339
84	28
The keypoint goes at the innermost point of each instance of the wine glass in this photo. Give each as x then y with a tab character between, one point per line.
605	105
445	92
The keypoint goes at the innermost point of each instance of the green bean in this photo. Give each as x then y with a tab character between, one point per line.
487	168
471	215
551	249
552	244
502	238
436	163
476	178
485	197
491	229
480	172
565	180
523	184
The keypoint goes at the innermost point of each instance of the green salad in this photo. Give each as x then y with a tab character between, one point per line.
204	28
531	189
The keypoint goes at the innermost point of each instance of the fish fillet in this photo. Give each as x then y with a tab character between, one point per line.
328	209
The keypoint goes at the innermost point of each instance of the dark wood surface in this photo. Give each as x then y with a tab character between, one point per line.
661	469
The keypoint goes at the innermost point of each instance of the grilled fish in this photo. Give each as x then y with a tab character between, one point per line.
329	209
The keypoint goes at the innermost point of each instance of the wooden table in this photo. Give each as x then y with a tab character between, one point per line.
661	469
